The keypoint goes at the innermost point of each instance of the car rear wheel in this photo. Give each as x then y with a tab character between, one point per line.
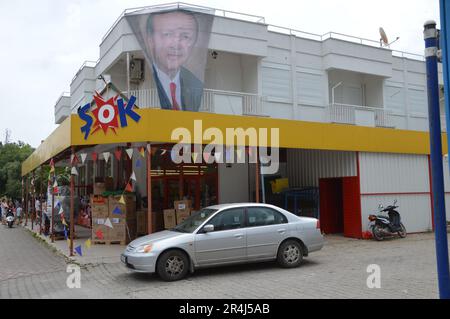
290	254
172	265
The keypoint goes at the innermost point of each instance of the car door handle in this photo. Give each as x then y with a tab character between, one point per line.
239	236
282	231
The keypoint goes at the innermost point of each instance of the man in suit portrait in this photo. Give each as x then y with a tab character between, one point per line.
171	37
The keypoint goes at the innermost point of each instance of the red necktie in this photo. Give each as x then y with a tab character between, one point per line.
173	90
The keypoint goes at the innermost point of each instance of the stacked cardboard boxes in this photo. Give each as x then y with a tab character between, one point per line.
182	209
100	212
122	219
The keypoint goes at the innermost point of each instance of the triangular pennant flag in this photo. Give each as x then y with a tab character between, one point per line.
32	182
74	159
94	156
106	156
118	154
61	211
149	148
74	171
64	222
138	163
108	223
129	187
65	233
163	152
99	234
78	250
55	184
218	157
142	151
52	169
133	176
83	157
194	157
117	211
88	243
57	204
122	200
130	152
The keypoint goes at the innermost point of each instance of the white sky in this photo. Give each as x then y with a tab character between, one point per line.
44	43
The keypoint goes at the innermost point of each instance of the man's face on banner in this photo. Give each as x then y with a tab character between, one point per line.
171	37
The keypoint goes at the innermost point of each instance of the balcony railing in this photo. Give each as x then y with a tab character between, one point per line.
359	115
214	101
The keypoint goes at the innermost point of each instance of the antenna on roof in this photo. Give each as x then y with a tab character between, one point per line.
384	39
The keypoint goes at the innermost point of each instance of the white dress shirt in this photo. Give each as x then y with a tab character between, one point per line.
165	82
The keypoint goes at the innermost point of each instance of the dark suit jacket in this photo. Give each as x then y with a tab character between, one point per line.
191	91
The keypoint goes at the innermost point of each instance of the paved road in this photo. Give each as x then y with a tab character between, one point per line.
29	269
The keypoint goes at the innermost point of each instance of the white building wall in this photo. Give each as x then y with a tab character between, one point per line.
386	177
305	167
233	183
446	188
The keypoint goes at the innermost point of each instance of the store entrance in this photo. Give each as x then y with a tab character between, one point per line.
198	185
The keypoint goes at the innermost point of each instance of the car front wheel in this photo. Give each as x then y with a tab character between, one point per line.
172	265
290	254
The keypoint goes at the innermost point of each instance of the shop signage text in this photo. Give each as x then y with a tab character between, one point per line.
108	114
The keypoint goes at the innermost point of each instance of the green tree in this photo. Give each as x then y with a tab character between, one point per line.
11	157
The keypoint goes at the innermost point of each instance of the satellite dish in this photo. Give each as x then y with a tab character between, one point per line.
383	38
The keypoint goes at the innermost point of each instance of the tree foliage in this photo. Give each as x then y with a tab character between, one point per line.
11	157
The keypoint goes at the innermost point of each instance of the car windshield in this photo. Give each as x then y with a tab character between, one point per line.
195	220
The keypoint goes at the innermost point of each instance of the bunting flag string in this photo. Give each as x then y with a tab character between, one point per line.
142	151
108	223
130	152
129	187
83	157
118	154
138	163
74	171
78	250
74	159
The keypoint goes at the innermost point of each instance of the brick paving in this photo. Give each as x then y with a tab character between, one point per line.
30	269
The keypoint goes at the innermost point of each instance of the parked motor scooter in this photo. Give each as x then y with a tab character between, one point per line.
387	226
10	218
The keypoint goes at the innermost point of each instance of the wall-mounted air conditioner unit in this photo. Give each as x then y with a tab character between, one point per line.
137	70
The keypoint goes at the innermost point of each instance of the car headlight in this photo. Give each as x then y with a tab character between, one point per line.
144	248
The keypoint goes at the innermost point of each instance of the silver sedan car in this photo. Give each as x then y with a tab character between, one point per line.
225	234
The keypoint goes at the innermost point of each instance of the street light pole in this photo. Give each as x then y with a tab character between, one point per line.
437	174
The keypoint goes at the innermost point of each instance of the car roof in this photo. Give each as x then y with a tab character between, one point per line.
237	205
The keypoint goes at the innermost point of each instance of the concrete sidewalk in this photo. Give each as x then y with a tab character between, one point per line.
96	254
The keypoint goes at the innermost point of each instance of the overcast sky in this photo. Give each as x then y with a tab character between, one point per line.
45	42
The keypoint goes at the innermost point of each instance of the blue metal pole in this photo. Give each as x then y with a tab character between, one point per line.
437	174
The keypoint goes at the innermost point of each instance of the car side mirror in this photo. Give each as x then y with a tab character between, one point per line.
208	228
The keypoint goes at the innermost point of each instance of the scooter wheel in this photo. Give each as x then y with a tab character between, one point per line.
402	232
377	233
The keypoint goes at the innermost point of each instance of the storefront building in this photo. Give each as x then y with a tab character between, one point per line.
351	115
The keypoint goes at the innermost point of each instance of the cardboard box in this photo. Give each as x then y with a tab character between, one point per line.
99	188
98	225
182	205
118	233
99	206
169	218
182	216
119	210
